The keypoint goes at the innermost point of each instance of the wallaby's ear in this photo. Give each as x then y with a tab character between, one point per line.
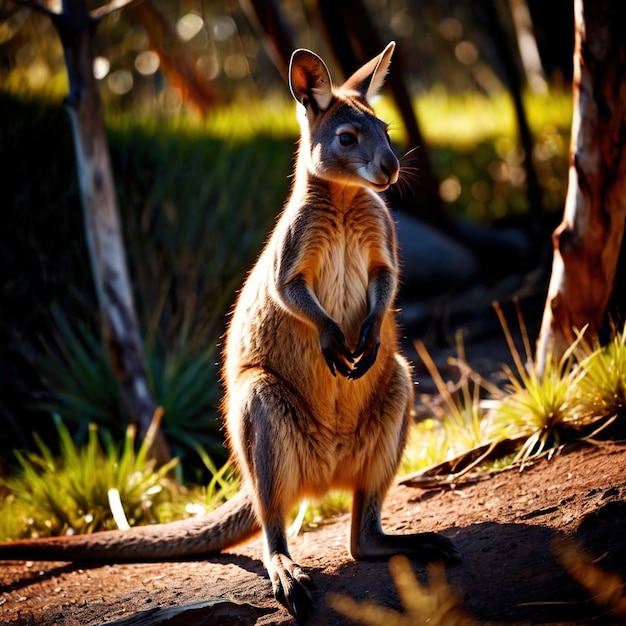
309	80
369	79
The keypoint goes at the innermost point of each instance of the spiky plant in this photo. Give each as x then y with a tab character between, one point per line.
79	381
81	388
602	385
541	408
69	494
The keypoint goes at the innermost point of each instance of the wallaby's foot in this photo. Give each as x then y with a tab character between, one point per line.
291	586
430	547
368	541
424	547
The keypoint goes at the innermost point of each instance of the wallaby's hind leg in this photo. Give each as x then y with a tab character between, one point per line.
367	539
273	467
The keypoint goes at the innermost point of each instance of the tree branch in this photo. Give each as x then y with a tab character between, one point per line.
41	8
111	7
176	63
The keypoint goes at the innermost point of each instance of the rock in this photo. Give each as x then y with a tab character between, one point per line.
431	258
498	250
211	611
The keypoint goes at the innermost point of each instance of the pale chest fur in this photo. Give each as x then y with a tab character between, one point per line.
339	276
336	252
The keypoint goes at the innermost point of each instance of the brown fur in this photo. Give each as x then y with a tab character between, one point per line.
317	394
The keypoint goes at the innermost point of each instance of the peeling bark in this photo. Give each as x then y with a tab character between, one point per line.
588	240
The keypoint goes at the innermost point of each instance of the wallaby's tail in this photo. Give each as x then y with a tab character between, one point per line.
228	525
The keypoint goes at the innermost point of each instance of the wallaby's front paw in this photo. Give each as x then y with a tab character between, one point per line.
335	351
367	348
291	586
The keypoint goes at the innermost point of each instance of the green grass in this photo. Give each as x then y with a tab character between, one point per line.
82	388
466	119
195	210
576	399
68	493
602	385
74	491
472	142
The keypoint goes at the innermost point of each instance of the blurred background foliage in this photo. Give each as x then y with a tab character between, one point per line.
442	42
200	186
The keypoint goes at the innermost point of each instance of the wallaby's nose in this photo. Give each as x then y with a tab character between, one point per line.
386	172
390	166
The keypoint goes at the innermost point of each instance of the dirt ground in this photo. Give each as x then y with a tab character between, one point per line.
505	527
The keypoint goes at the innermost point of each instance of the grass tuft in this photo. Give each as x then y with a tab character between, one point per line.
540	408
432	605
602	386
69	493
82	389
477	425
606	589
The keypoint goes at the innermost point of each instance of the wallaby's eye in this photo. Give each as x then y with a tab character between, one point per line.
347	139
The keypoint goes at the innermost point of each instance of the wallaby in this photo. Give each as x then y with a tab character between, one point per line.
317	395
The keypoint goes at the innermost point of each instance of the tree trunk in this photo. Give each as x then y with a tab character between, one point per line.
119	322
587	242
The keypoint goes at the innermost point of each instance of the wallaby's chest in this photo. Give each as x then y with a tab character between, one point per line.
341	246
341	276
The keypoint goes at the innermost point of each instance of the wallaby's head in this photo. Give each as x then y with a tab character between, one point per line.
342	139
